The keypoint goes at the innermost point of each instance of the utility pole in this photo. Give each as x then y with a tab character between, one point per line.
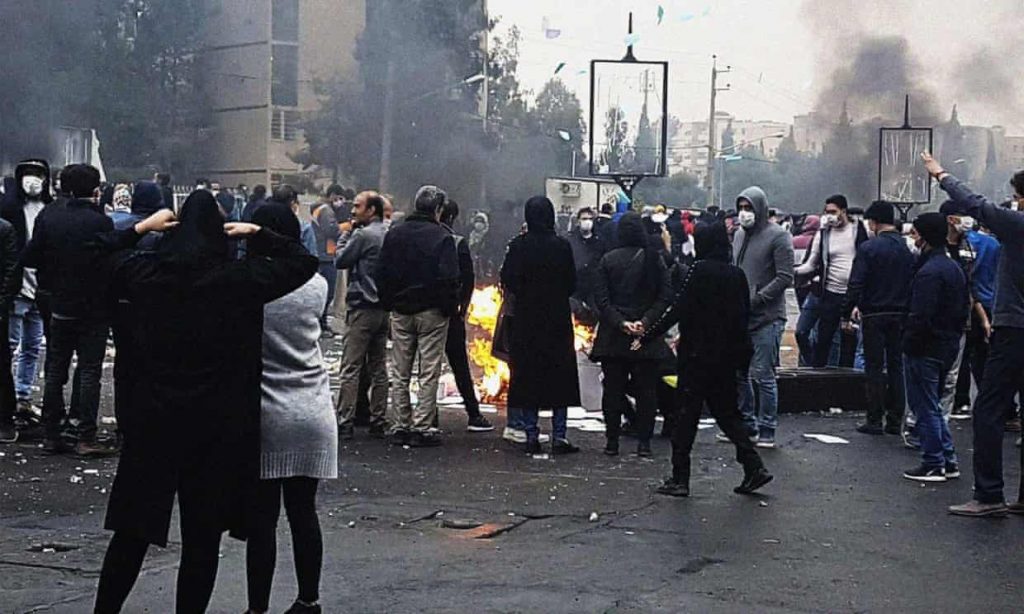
390	106
712	132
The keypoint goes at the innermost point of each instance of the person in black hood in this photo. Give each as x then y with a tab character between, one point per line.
632	287
712	309
539	272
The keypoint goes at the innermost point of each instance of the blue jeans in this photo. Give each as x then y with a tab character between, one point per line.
25	332
559	423
514	419
764	407
746	402
805	329
926	377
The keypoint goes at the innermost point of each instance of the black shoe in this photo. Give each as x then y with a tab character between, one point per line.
563	446
425	440
478	424
926	474
8	434
643	449
377	431
753	480
55	446
611	448
533	447
399	438
870	429
952	471
346	432
94	449
302	608
673	488
893	429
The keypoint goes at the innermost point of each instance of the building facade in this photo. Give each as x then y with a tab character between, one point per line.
688	150
261	61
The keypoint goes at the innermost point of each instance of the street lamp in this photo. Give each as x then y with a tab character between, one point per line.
902	179
628	118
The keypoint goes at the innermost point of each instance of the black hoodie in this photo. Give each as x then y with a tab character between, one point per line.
13	209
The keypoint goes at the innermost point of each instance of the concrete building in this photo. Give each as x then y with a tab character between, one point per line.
261	60
688	149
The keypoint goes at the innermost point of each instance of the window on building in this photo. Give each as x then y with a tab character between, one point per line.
285	21
284	125
284	90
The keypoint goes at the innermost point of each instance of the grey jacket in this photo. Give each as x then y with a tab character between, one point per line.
359	253
1008	227
298	430
765	253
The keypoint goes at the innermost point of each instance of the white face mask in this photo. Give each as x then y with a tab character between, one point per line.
746	218
966	223
32	185
587	225
659	218
912	245
830	220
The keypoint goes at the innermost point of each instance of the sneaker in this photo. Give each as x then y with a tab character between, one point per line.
533	447
377	431
564	446
977	509
8	434
870	429
1013	425
952	470
926	474
398	437
346	432
512	435
94	449
1016	508
672	488
765	442
611	448
479	424
55	446
753	480
721	437
643	449
961	413
304	608
425	440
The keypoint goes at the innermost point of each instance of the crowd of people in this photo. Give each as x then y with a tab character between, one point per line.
217	306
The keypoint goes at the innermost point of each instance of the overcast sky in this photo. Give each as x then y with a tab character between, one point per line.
781	51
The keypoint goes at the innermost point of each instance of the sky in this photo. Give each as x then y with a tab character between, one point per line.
781	51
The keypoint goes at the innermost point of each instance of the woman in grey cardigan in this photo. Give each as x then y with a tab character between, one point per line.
298	433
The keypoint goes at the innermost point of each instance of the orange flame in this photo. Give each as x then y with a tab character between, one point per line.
483	316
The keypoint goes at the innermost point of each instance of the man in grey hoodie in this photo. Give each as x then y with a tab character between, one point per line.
765	253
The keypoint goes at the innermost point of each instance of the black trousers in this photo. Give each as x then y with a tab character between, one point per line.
307	541
830	313
714	386
455	350
86	339
618	373
8	400
883	362
999	385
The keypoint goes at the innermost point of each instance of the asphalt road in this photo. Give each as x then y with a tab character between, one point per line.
838	531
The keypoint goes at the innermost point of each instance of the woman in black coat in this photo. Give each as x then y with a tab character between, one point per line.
632	289
540	273
193	426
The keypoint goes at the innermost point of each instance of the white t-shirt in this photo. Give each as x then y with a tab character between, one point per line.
842	248
29	282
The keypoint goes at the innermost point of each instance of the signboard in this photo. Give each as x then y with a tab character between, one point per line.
902	178
628	109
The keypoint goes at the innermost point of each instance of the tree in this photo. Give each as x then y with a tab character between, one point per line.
558	112
616	152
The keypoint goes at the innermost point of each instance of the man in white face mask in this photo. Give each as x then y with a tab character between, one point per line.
587	251
828	265
765	253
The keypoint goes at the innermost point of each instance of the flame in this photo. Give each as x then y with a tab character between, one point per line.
483	317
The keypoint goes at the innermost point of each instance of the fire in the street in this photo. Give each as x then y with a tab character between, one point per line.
483	316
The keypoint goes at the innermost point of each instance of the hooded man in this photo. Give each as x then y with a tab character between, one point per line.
765	253
712	309
21	208
939	306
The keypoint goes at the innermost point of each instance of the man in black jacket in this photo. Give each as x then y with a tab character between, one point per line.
80	318
712	308
455	346
877	295
938	308
418	279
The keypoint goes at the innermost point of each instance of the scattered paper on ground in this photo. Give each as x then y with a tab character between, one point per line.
825	438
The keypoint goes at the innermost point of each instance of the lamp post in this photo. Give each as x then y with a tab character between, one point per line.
627	146
902	180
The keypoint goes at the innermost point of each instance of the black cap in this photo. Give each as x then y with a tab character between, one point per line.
949	208
932	227
881	212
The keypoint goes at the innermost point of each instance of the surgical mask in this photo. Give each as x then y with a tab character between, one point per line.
830	220
966	223
587	225
478	226
659	218
746	218
32	185
912	246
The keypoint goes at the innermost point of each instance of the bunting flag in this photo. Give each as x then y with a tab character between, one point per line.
632	39
548	31
661	14
559	68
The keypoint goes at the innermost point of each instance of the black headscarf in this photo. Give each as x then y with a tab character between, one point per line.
711	241
277	217
199	238
632	234
540	215
146	198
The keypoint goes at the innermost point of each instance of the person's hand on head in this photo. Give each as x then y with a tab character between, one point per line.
161	221
240	229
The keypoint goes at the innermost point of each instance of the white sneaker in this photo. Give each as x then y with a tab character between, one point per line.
720	437
513	435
